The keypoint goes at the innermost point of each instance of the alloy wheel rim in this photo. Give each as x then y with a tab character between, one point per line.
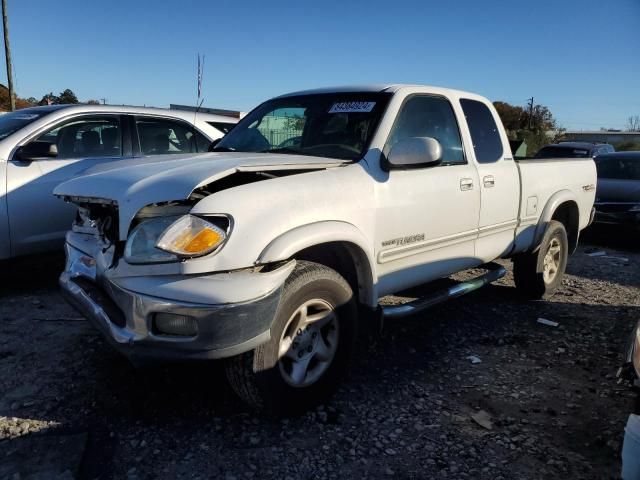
552	260
308	343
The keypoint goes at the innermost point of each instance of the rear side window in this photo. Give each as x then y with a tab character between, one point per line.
484	132
160	136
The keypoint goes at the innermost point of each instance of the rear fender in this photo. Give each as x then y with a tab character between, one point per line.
550	208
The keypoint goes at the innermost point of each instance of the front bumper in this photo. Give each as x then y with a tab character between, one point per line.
227	324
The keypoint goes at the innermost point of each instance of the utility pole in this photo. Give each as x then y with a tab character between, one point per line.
530	109
7	54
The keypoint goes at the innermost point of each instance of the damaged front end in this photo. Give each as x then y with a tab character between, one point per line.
158	273
137	296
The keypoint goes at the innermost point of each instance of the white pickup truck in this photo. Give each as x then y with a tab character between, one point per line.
272	251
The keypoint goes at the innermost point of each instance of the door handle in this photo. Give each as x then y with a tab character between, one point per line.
489	181
466	184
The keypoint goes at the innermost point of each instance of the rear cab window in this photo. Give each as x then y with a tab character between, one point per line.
485	135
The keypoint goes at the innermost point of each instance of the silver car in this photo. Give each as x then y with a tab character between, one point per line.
41	147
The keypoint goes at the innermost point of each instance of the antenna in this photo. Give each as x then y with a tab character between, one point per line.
199	101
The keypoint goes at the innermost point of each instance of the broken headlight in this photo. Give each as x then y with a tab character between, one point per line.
141	244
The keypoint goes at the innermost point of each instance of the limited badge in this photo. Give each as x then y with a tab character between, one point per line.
352	107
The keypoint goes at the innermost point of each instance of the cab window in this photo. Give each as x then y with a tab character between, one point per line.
429	116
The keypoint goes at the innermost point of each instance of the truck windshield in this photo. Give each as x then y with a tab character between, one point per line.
336	125
14	121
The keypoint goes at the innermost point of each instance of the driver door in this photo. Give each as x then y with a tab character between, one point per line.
428	216
38	221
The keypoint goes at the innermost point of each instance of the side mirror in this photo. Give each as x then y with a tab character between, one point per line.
36	151
213	144
415	152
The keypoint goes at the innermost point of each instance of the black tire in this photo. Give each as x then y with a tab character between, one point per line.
259	377
529	268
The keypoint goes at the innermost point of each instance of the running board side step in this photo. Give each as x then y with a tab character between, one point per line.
495	272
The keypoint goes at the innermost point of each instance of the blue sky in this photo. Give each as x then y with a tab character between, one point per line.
579	57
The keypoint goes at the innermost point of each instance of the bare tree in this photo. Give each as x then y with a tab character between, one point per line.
633	123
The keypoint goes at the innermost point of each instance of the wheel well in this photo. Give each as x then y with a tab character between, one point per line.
348	260
568	214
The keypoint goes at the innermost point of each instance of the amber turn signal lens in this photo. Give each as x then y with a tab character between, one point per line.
191	236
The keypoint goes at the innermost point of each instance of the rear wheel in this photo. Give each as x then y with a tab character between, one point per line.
312	339
538	274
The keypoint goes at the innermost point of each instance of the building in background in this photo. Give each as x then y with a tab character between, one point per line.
620	140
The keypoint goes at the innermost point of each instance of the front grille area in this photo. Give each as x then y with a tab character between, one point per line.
116	316
99	218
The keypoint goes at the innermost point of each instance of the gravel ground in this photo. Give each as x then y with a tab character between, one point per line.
72	408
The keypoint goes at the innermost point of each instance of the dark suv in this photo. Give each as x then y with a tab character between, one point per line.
618	193
574	150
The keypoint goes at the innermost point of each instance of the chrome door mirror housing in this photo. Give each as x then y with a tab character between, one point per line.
415	152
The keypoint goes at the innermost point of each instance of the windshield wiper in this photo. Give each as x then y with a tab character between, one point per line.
222	149
284	150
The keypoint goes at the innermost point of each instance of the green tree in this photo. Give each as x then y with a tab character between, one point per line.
513	117
67	96
626	146
49	99
537	128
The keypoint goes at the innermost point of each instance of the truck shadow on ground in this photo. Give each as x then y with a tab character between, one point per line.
30	274
117	407
614	266
612	237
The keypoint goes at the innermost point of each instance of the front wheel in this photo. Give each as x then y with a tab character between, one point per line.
312	339
538	274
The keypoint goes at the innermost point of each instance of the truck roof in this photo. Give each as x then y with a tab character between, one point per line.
376	87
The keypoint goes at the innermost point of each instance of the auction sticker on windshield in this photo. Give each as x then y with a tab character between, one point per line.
352	107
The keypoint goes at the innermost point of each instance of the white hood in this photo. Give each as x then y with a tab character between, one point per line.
134	184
